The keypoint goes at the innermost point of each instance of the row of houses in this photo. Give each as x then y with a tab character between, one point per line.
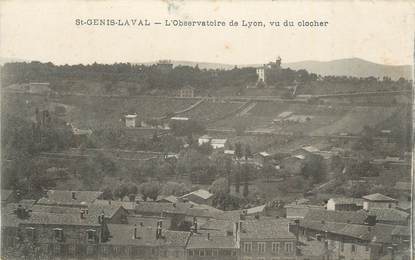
81	225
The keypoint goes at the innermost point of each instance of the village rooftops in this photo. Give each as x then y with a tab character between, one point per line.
379	233
137	235
204	194
356	217
128	205
45	218
74	198
171	198
184	208
378	197
92	211
390	215
207	240
266	228
346	200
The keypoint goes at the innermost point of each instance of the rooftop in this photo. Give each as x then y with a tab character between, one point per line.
392	215
204	194
264	228
62	197
378	197
124	235
356	217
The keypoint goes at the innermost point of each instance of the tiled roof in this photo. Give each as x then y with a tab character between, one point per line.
379	233
265	228
386	214
189	209
204	194
42	218
213	241
128	205
378	197
61	197
171	198
354	217
94	210
124	235
345	200
255	210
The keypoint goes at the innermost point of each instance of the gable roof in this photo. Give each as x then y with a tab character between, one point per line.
122	234
265	228
356	217
378	197
204	194
64	197
391	215
345	200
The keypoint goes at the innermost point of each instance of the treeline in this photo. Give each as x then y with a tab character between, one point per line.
148	77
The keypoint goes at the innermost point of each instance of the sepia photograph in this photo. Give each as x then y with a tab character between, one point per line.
216	130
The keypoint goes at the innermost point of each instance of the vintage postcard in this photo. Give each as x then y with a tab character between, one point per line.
191	130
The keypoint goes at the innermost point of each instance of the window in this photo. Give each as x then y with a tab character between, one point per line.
208	252
90	234
177	254
30	232
289	247
104	250
58	234
72	249
57	249
247	247
261	247
201	252
233	253
275	247
341	246
190	252
367	248
353	248
215	252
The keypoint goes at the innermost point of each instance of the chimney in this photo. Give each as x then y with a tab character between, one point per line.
73	195
159	229
135	235
194	226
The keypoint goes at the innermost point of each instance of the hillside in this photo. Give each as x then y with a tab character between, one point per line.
352	67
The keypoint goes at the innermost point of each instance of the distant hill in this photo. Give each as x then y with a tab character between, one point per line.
352	67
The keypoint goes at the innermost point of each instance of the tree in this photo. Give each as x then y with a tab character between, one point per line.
248	153
237	179
245	177
238	150
150	190
174	188
219	187
107	193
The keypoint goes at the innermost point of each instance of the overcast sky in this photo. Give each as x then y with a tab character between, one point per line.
381	32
